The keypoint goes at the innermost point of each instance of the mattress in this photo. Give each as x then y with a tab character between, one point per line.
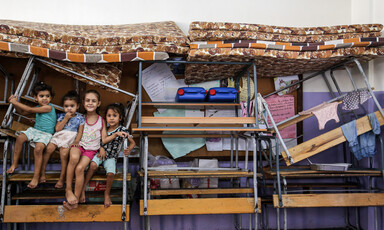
276	50
270	63
94	43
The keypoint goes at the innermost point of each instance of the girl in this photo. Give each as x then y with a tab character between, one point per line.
110	151
41	133
69	129
81	156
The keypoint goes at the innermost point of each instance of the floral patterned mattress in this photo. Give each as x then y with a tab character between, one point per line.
94	43
277	51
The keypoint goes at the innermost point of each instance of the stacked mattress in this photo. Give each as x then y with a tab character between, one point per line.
277	51
94	43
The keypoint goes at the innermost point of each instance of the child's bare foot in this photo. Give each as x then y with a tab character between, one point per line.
59	184
43	179
12	169
107	201
33	184
69	206
82	197
71	198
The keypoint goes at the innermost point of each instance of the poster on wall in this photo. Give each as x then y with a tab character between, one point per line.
282	107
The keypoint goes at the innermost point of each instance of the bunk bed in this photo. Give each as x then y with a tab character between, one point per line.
91	54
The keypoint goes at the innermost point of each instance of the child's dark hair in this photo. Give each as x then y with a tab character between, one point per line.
71	95
97	95
41	86
117	107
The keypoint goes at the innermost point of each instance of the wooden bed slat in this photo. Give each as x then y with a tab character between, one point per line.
57	213
200	206
330	200
327	140
54	177
162	192
198	174
198	120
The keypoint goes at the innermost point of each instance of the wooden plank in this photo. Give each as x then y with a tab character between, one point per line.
197	120
57	213
60	194
17	126
162	104
54	177
239	129
161	192
314	173
330	200
9	132
198	174
327	140
200	206
185	135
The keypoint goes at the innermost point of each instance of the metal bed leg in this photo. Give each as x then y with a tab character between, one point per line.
27	71
145	162
125	171
254	144
285	210
369	87
3	185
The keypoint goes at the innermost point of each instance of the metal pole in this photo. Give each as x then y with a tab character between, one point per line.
125	171
254	143
350	77
7	117
369	87
86	77
139	86
145	174
255	92
5	151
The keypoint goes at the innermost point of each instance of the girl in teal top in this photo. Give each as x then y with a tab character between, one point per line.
42	132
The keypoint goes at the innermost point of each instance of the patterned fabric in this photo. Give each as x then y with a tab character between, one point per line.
260	44
112	148
93	44
324	113
98	35
37	136
270	63
106	73
354	98
358	28
92	135
217	35
73	123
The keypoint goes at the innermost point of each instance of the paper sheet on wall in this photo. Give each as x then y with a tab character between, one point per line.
282	107
281	82
155	79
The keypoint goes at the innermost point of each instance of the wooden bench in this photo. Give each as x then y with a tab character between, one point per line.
54	177
199	174
57	213
329	200
201	206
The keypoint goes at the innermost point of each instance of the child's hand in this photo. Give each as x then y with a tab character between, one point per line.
75	144
102	154
69	116
12	99
127	151
122	134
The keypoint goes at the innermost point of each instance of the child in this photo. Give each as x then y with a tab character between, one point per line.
110	151
69	129
41	133
81	156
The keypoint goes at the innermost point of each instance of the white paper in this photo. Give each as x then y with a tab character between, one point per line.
155	79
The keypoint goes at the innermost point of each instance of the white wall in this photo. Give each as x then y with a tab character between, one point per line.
272	12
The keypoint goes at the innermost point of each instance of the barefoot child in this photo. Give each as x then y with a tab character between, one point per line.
110	151
80	156
41	133
69	129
